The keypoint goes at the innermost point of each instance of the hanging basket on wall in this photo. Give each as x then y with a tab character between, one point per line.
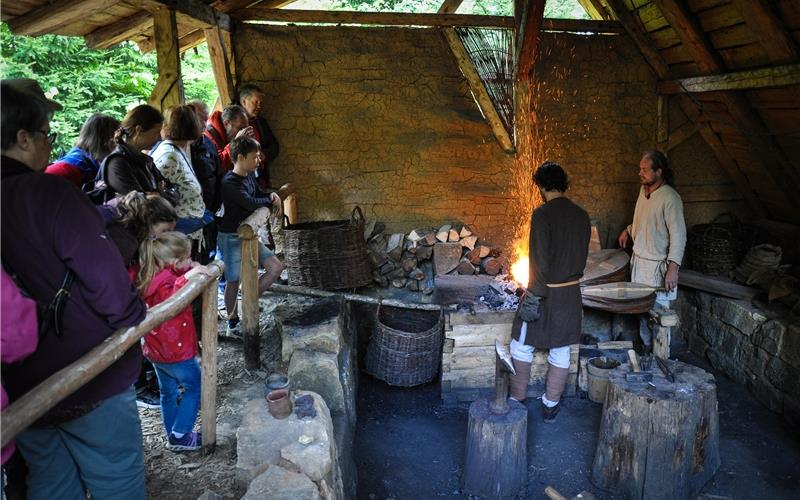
329	255
406	346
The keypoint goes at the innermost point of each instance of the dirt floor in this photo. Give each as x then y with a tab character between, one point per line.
409	445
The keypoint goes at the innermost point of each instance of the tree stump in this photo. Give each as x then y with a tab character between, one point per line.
497	452
658	442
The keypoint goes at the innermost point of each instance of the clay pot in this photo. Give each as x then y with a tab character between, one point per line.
279	403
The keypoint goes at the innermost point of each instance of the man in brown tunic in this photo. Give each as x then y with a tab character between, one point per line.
549	316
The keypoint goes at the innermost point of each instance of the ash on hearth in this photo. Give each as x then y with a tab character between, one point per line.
503	294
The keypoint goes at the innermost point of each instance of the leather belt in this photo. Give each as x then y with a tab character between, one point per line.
561	285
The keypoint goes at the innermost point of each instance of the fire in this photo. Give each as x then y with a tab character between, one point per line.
520	270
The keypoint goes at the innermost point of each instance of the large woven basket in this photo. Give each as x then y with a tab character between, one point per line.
330	255
717	248
406	346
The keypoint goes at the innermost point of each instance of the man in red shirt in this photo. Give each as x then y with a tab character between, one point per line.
223	126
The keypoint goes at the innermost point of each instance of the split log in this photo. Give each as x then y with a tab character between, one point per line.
408	263
412	285
380	279
377	259
417	235
387	267
430	239
416	274
484	251
399	282
491	266
396	274
394	248
427	268
424	253
453	236
446	257
658	442
378	243
465	267
373	229
465	232
474	256
469	242
410	247
443	234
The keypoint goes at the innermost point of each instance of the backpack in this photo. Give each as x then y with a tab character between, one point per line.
101	193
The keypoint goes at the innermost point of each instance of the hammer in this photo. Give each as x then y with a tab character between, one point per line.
636	375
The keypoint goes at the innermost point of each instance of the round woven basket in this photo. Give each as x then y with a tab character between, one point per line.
406	346
330	255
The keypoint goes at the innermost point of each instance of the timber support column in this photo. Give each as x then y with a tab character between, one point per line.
248	281
662	320
169	87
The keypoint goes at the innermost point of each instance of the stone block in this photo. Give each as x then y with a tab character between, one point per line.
709	329
261	439
698	346
770	336
768	395
209	495
278	483
791	412
315	326
789	349
784	377
318	372
313	459
739	314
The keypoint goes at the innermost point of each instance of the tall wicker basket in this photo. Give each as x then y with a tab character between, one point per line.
330	255
406	346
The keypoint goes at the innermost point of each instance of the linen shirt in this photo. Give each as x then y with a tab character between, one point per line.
658	229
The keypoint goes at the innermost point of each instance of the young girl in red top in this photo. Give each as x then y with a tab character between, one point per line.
165	267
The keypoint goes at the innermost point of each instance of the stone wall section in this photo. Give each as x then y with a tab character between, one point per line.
382	118
740	340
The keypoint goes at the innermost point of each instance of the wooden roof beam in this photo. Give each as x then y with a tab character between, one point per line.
773	76
197	9
111	34
528	31
641	38
595	10
694	39
258	13
769	30
168	91
52	16
187	41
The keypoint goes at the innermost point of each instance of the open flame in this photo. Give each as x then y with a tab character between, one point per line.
520	270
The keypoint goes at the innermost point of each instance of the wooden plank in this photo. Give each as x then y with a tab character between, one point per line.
732	36
124	29
779	98
664	38
192	38
662	121
718	17
773	76
479	92
682	134
169	87
692	36
637	32
744	57
715	284
50	17
581	26
198	10
530	25
769	30
449	6
479	335
484	318
259	13
789	11
218	53
208	387
595	10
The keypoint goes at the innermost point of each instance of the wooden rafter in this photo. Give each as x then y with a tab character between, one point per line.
637	32
259	13
187	41
769	30
52	16
595	9
196	9
220	63
708	60
682	134
169	86
530	26
117	32
474	81
773	76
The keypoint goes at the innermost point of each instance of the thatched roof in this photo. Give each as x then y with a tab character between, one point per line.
733	66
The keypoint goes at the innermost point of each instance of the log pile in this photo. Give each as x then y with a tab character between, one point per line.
412	260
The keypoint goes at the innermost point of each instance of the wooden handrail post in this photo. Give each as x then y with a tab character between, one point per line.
33	404
208	396
248	281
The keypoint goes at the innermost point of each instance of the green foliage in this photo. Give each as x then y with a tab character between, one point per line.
568	9
87	81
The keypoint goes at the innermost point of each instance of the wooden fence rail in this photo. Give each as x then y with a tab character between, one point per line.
36	402
248	280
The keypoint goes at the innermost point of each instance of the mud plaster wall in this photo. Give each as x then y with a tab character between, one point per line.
382	118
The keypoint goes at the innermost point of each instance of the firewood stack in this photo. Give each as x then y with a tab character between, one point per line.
412	260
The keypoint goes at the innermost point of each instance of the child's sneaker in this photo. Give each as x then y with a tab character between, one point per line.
148	399
190	441
234	329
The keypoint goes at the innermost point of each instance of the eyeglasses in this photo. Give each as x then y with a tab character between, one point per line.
51	136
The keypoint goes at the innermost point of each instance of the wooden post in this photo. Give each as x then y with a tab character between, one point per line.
169	87
248	281
662	125
220	64
664	320
208	397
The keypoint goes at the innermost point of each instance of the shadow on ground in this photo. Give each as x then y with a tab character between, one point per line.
411	446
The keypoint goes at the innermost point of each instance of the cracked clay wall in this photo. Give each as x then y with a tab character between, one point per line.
382	118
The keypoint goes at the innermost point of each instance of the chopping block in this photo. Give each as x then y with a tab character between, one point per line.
496	461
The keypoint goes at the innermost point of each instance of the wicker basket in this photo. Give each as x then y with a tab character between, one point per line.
330	255
406	346
717	248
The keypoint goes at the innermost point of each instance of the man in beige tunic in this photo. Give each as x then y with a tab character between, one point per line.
658	232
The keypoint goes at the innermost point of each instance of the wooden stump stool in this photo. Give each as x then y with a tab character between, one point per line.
497	450
658	442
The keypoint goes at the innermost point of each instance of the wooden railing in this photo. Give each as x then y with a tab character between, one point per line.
248	280
39	400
